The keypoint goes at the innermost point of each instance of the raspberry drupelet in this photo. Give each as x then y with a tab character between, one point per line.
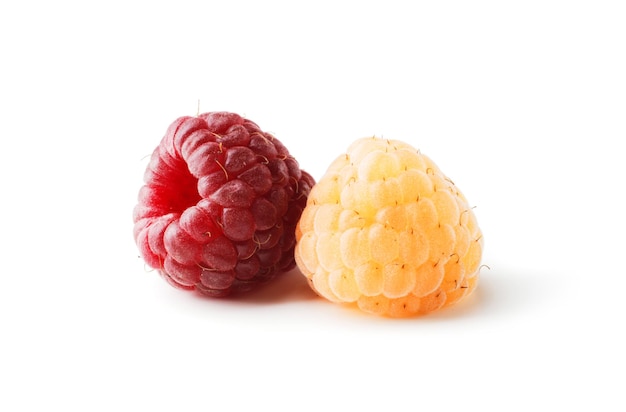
219	206
384	229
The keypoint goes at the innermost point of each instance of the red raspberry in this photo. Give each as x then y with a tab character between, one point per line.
220	204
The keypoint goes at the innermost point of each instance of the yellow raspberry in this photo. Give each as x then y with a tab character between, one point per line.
384	229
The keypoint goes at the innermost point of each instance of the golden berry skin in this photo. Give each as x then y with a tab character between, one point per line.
384	229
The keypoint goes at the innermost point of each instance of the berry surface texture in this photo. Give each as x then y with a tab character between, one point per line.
218	209
385	230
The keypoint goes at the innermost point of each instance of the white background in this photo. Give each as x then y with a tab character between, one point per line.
522	104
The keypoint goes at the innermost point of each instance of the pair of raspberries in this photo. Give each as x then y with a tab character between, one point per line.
225	207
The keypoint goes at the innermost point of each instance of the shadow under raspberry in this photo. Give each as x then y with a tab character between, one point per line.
505	293
290	286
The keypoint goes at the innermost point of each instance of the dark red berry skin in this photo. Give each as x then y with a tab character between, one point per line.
219	206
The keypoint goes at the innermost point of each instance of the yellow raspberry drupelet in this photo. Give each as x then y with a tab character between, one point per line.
386	230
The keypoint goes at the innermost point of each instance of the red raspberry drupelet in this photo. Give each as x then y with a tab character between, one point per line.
220	204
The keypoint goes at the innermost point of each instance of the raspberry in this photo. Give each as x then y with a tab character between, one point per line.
384	229
220	204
